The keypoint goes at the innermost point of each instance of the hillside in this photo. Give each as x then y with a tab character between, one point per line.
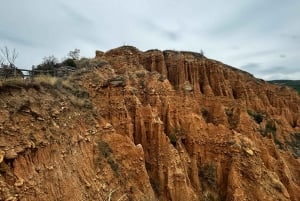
290	83
144	126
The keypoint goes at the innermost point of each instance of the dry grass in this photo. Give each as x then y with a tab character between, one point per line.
76	95
45	80
80	102
13	82
67	84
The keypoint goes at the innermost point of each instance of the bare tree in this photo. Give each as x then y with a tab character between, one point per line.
1	61
50	60
9	56
74	54
201	52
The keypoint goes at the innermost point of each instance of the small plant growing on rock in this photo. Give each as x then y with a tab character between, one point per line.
269	128
256	116
205	114
106	152
104	149
175	134
113	165
294	144
232	119
207	174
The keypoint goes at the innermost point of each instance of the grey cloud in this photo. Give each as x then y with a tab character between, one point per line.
260	36
251	66
279	69
164	31
291	36
75	15
255	54
13	38
172	35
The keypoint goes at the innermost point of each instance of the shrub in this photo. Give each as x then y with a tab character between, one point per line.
49	63
75	54
270	128
210	196
256	116
104	149
205	114
106	152
175	134
69	62
294	144
207	174
113	165
232	119
79	102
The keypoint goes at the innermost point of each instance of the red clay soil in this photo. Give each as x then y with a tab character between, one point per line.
156	125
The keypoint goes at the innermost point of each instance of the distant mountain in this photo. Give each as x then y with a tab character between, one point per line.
291	83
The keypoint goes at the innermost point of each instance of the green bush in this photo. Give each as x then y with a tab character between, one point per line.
69	62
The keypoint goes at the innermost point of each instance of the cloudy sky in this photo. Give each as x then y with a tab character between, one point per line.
259	36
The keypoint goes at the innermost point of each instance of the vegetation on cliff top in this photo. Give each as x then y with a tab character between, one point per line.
295	84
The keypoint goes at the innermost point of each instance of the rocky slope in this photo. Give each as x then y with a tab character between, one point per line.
133	125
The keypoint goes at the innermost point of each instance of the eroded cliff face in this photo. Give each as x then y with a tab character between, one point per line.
150	126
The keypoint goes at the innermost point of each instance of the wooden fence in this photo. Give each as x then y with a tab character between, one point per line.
25	73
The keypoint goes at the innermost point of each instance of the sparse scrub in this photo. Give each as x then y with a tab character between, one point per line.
46	80
207	174
79	102
47	67
69	62
205	114
269	128
90	63
256	116
106	152
113	165
232	119
67	84
13	82
75	54
175	135
104	149
294	144
210	196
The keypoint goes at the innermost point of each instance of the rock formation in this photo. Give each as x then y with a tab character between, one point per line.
154	125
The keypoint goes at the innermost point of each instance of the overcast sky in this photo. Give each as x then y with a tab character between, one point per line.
259	36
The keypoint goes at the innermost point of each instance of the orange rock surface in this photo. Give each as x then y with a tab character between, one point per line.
154	125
